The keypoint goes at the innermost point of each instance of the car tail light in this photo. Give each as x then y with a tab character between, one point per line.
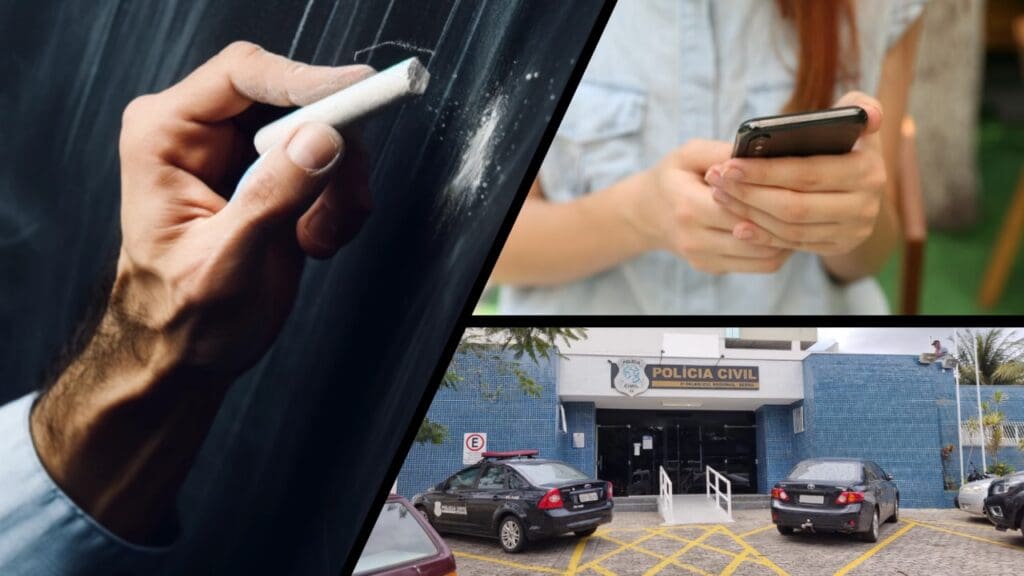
780	494
611	492
551	500
848	497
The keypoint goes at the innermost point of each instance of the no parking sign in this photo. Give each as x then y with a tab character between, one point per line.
474	444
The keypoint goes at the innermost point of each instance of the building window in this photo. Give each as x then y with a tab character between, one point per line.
798	419
732	332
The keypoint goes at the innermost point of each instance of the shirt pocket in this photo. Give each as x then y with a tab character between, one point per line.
598	143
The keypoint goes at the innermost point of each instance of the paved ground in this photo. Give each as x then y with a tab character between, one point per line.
924	542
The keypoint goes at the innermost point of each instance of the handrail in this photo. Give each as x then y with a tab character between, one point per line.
665	496
708	473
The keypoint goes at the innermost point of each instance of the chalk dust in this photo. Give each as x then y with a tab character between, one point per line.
470	180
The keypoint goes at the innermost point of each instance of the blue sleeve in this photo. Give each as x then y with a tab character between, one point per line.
42	532
902	13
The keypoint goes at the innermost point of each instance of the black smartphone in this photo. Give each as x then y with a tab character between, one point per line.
832	131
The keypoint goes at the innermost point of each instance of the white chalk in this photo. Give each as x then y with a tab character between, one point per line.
407	78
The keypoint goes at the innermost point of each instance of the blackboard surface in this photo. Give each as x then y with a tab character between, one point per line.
292	463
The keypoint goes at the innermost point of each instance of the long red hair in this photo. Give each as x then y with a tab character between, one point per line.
824	60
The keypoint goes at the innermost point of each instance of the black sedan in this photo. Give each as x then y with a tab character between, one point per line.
516	497
845	495
1004	505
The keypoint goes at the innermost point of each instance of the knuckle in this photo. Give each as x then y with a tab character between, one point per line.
870	210
258	195
241	49
808	179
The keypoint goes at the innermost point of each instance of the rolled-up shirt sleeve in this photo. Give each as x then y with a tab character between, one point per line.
42	532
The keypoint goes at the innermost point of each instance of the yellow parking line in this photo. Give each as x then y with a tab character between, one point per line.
700	544
608	555
757	530
643	550
602	570
728	570
508	563
874	550
758	557
574	561
970	536
664	563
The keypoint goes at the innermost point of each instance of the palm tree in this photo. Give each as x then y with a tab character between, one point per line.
1000	353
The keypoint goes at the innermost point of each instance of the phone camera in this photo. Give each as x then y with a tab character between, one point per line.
759	144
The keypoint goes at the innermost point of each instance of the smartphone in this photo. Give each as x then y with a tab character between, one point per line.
832	131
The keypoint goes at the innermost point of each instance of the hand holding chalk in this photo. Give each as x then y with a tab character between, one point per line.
203	285
405	79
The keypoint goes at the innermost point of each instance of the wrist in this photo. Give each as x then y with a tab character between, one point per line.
633	198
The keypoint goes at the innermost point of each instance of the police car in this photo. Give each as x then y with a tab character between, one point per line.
516	497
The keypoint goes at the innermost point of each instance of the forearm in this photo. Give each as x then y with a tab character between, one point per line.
554	243
120	428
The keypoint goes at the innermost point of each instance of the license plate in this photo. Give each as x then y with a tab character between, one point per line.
812	499
588	497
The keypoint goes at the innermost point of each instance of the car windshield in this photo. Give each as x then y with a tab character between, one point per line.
827	471
397	538
549	472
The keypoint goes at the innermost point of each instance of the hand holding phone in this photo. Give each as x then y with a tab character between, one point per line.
813	181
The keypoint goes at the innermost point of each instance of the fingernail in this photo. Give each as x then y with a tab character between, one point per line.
713	177
314	147
745	234
322	227
734	174
719	196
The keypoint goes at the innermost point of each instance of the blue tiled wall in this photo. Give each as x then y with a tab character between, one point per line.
885	408
774	444
490	400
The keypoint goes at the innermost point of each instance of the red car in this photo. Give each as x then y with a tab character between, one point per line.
404	544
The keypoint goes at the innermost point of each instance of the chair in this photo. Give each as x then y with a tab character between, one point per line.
914	224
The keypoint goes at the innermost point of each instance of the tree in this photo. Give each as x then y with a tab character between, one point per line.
991	429
1000	356
494	346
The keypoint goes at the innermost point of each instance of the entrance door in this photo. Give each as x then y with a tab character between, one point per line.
633	444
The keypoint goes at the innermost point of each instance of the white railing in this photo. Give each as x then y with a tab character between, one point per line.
710	473
1013	434
665	496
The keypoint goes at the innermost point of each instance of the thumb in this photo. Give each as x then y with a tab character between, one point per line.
870	105
285	181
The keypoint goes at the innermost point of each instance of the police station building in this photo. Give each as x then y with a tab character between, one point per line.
625	403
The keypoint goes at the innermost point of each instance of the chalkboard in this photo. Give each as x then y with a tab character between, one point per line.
287	475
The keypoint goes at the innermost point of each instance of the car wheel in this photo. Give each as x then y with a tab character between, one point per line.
585	533
872	534
511	535
895	513
784	530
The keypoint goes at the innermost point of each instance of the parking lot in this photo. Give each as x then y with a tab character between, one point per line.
924	542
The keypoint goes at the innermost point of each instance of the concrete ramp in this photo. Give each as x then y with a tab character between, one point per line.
695	509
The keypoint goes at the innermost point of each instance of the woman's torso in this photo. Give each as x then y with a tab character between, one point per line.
667	71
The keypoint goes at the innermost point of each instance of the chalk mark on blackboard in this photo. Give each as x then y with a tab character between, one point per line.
396	43
298	31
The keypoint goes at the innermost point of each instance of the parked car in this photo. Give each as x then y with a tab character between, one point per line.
847	495
1004	505
404	544
971	497
517	497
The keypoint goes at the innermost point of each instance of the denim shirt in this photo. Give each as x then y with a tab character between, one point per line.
667	71
42	531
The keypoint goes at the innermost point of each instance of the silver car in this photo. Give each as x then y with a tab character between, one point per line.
971	498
